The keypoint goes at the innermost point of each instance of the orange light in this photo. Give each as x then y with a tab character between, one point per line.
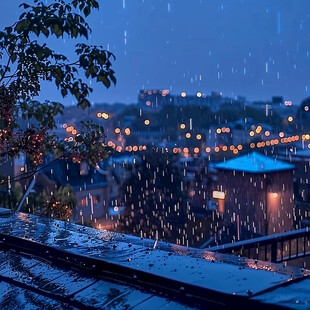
69	129
231	147
117	130
208	149
188	135
198	137
251	133
252	145
267	133
218	195
147	122
239	147
235	151
224	148
196	150
216	149
135	148
218	131
127	131
99	115
281	134
185	150
182	126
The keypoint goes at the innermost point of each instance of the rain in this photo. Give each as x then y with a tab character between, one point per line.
208	127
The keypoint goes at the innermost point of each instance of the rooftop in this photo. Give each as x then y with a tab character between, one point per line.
48	263
254	163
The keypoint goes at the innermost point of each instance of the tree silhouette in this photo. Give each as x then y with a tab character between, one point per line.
28	60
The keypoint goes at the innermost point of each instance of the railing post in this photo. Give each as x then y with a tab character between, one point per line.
274	251
297	246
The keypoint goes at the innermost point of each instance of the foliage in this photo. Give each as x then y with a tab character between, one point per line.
58	204
28	60
155	194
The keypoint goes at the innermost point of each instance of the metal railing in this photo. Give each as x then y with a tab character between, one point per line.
275	248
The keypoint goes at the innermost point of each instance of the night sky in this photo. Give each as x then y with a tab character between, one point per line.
252	48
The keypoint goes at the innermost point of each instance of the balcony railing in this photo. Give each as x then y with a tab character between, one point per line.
275	248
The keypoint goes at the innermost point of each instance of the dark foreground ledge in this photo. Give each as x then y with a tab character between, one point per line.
64	264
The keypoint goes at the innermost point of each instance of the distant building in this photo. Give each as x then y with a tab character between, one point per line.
90	186
153	100
300	158
255	193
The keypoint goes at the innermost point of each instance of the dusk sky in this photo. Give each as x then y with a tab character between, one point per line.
252	48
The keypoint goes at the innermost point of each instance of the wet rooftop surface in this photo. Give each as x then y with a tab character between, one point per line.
47	264
32	283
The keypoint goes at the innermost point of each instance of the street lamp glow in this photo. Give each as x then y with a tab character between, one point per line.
258	129
147	122
198	137
117	130
199	94
290	119
105	115
182	126
183	94
188	135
